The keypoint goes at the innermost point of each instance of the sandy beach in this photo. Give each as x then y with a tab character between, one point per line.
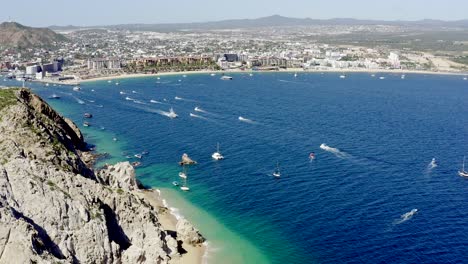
291	70
168	221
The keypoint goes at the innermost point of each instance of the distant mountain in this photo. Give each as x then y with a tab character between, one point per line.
16	35
274	21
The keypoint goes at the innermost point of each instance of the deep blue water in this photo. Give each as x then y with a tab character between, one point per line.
345	206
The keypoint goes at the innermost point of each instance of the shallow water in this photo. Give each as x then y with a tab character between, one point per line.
380	136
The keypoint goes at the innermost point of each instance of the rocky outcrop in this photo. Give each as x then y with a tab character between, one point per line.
187	233
54	209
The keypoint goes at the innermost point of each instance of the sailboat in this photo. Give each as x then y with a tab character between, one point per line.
217	155
277	172
463	173
183	175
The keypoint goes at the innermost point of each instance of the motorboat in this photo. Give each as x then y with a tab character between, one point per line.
136	164
128	98
342	76
86	124
76	88
138	156
54	96
217	155
213	74
121	92
198	109
177	98
87	115
382	78
226	78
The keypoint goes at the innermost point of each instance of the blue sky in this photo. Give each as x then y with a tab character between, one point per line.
104	12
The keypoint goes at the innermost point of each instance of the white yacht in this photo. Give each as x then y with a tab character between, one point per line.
226	78
277	172
463	173
172	114
217	155
183	175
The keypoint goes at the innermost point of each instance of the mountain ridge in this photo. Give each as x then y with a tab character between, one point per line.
271	21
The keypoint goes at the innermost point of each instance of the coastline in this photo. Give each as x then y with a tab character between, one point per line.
290	70
168	221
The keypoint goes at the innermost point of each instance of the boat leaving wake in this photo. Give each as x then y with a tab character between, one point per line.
335	151
405	217
432	164
197	116
246	120
155	102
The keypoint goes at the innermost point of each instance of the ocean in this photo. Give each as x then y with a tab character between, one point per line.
373	140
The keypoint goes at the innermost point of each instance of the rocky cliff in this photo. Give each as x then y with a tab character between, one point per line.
55	209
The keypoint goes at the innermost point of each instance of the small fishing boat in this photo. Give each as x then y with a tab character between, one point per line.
403	76
382	78
116	83
114	139
76	88
136	164
213	74
251	74
109	81
128	98
121	92
463	173
277	172
175	183
138	156
217	155
342	76
86	124
198	109
54	96
185	75
87	115
177	98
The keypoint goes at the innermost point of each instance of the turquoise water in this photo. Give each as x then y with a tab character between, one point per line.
345	206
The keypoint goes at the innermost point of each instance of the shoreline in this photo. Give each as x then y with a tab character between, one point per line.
168	221
290	70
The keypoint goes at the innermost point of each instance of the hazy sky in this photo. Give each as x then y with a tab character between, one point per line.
104	12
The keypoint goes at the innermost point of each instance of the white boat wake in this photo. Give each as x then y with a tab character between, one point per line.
78	100
139	102
155	102
197	116
198	109
246	120
405	217
335	151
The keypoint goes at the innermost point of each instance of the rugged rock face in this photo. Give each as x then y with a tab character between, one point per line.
54	209
187	233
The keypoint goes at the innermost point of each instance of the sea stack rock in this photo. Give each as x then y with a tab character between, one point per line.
187	233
